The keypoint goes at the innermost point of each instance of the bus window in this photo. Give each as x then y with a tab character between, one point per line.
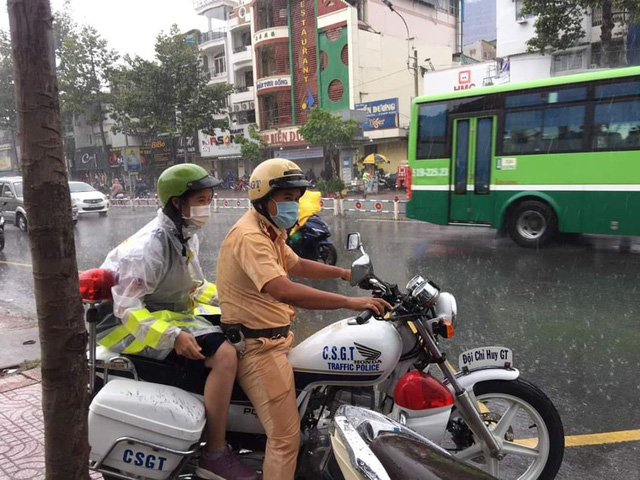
546	97
620	89
616	126
462	156
563	129
484	138
522	132
432	128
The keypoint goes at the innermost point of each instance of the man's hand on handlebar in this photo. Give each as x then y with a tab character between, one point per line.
377	305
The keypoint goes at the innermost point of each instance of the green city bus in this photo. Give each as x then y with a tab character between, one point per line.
555	155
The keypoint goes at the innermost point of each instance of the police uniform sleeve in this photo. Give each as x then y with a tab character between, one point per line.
290	257
257	256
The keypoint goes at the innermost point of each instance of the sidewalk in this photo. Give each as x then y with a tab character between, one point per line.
21	427
19	341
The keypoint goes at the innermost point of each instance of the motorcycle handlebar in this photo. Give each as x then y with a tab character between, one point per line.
364	316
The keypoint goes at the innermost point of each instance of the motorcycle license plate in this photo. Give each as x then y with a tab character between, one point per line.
485	357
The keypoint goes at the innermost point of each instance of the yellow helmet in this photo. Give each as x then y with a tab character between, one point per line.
275	174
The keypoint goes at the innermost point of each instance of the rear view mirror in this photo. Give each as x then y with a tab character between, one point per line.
361	269
9	194
353	241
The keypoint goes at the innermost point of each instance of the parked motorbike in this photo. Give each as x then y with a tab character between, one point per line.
309	238
311	241
1	228
485	414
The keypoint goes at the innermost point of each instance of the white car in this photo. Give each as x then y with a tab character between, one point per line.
88	199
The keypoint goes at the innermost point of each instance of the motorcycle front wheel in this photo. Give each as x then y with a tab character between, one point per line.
526	424
327	254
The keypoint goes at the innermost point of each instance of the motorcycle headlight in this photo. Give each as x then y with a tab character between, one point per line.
447	307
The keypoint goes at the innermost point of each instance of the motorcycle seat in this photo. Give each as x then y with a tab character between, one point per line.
172	371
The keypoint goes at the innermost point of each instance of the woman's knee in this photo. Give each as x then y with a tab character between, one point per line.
225	357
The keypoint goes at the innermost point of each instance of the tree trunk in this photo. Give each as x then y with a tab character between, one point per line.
15	159
103	136
183	141
63	337
608	57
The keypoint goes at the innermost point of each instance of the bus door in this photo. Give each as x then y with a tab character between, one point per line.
472	157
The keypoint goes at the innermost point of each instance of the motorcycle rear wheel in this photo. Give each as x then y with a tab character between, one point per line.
327	254
532	438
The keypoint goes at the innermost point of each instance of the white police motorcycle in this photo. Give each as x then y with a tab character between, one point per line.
485	414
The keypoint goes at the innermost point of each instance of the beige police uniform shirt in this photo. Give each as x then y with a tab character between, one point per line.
248	260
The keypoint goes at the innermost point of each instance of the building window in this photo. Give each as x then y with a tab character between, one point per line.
271	13
248	78
273	60
361	6
596	17
617	53
519	14
265	15
568	61
275	110
219	65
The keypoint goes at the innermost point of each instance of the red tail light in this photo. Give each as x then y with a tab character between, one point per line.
95	285
421	391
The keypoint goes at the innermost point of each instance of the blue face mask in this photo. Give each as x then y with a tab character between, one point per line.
287	215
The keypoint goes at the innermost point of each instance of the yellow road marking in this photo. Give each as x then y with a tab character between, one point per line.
602	438
589	439
17	264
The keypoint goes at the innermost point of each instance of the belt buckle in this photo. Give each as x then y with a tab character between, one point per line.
276	336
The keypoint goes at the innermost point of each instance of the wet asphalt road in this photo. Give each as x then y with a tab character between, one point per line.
570	313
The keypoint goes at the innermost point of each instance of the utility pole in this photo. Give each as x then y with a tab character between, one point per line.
415	72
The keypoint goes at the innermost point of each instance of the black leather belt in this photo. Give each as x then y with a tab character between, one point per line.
272	333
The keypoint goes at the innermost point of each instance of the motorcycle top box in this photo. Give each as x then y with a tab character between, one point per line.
143	428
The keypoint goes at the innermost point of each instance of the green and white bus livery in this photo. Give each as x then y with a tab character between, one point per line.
559	154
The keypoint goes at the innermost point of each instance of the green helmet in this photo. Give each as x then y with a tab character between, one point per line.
179	179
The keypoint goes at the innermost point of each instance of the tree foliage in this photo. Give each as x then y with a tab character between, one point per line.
251	147
329	131
559	23
83	70
170	95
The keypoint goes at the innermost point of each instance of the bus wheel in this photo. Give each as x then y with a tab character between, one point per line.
532	224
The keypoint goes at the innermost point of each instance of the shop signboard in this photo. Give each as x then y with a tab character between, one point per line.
381	114
90	158
191	141
222	142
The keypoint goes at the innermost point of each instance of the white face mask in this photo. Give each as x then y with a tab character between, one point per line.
199	217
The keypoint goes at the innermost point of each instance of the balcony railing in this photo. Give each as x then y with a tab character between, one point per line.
212	35
242	89
274	119
241	48
214	73
596	17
